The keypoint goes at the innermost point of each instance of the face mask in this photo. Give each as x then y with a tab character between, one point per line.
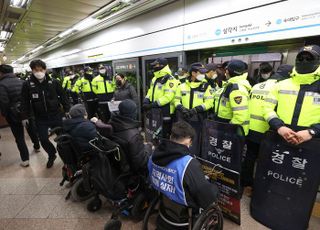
306	63
102	71
88	76
119	83
158	68
39	75
214	76
200	77
72	76
265	76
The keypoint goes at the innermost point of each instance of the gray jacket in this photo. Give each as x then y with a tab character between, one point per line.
127	91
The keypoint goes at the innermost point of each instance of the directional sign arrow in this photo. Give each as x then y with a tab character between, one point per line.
268	23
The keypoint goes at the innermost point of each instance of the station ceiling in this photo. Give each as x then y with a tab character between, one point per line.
27	24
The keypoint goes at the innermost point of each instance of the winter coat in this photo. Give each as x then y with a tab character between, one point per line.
81	130
127	91
10	94
127	130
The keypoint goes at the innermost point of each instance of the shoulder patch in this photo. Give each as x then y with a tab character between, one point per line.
171	84
238	99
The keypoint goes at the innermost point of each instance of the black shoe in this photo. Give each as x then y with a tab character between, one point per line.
50	161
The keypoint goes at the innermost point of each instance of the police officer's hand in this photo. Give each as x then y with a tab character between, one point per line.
192	112
146	106
304	136
25	122
154	105
289	135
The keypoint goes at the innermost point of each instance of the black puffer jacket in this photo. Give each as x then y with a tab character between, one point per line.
10	93
81	130
128	130
127	91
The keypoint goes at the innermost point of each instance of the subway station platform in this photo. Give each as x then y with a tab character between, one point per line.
31	198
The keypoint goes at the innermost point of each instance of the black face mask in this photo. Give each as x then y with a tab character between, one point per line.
119	83
158	68
88	76
307	63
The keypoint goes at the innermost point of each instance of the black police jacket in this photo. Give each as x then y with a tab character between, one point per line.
43	99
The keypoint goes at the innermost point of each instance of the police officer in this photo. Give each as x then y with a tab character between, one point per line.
211	75
258	125
161	93
193	98
292	107
66	83
182	74
188	186
103	86
43	97
231	102
265	72
83	87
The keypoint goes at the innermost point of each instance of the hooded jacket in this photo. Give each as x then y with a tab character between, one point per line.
162	90
303	93
10	93
231	103
127	130
81	130
200	193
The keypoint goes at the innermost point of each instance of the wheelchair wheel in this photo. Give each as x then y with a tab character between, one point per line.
149	212
139	207
78	191
211	218
94	205
113	224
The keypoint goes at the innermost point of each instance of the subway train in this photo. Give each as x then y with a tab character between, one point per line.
127	37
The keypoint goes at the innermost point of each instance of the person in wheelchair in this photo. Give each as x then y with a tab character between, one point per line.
81	129
180	179
124	128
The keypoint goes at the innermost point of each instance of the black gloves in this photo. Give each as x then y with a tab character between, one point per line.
147	105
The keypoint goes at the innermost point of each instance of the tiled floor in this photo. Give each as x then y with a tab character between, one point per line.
31	198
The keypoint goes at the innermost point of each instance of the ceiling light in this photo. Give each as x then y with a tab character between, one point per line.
65	33
5	35
19	3
36	49
70	52
85	23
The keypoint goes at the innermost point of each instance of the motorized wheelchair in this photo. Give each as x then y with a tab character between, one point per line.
74	161
110	176
179	217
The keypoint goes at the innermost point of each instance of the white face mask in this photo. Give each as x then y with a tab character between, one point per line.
102	71
265	76
200	77
72	76
39	75
214	76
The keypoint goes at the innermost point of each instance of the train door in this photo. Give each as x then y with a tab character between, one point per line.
130	68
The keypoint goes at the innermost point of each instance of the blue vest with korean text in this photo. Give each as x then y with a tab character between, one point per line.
169	179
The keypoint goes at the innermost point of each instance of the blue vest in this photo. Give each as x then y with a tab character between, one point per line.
169	180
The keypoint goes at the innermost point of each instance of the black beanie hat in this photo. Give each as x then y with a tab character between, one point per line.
78	110
128	108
